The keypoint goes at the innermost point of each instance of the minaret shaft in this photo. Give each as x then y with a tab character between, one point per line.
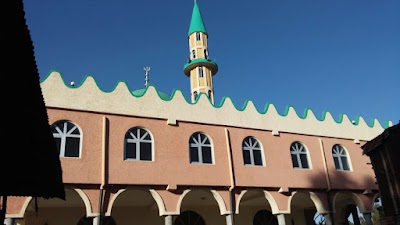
199	68
200	76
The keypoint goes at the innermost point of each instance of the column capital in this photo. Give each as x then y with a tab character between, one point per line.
229	219
168	220
9	221
281	219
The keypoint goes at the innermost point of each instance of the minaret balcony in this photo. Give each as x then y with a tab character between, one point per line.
200	62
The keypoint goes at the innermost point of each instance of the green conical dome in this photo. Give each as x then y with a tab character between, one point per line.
196	23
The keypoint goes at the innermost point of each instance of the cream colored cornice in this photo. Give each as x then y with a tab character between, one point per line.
88	97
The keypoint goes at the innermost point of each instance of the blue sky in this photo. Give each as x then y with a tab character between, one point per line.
340	56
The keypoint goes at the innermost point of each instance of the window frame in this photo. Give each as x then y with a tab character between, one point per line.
201	72
198	36
64	135
251	148
134	134
194	54
200	144
337	152
298	152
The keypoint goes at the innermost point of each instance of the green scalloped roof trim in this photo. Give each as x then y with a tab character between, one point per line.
199	61
165	97
141	92
83	81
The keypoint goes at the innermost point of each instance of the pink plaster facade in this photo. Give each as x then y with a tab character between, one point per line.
172	184
170	165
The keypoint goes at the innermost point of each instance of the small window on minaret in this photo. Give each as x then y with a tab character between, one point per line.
201	72
209	94
195	95
197	36
194	54
205	54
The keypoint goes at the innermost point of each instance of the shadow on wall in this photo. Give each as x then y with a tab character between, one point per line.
347	195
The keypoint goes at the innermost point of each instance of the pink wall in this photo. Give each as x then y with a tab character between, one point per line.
171	166
171	160
86	169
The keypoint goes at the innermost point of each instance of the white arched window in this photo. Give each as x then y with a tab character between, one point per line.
299	155
67	137
252	152
200	148
340	158
138	145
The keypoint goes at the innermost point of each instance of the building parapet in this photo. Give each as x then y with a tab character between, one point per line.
89	97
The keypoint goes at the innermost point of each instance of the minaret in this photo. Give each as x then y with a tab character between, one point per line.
199	67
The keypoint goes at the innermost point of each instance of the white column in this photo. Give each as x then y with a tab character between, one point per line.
9	221
368	218
168	220
96	220
281	219
228	218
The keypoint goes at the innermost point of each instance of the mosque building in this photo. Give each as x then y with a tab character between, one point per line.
144	157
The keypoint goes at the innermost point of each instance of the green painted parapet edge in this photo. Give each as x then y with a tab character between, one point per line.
194	61
200	62
165	97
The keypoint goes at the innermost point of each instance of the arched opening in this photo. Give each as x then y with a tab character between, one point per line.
264	217
56	211
203	202
189	218
136	205
347	208
303	209
254	208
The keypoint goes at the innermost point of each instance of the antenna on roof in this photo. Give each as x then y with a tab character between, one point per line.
146	75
